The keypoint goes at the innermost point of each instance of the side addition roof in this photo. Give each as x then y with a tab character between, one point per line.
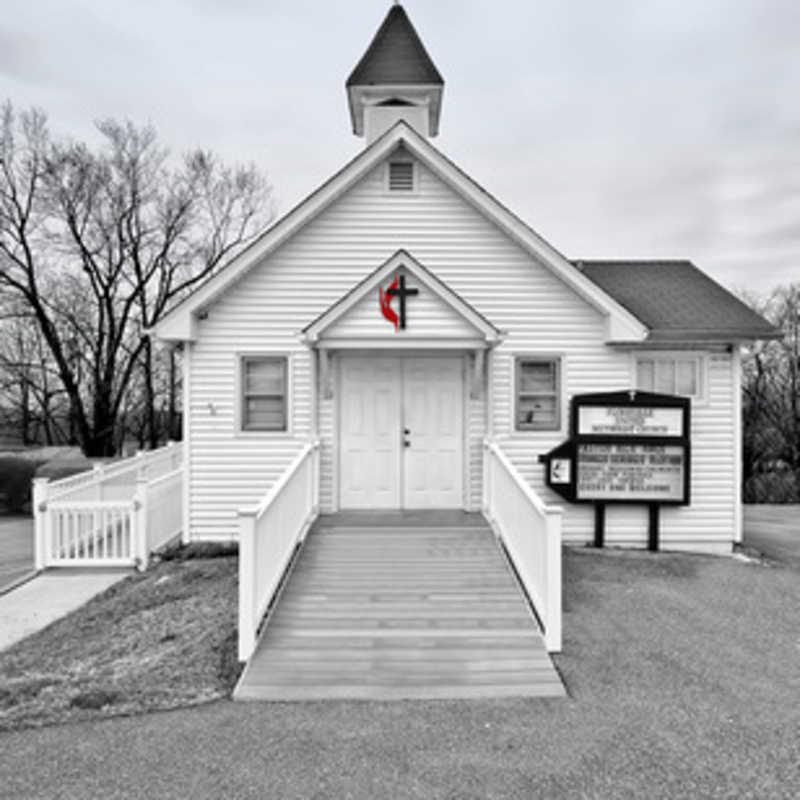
677	301
396	55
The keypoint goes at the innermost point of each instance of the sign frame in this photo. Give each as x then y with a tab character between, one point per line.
620	399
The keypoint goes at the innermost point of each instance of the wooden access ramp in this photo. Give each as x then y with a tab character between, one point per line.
399	606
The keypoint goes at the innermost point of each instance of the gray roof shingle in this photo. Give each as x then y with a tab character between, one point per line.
396	55
677	301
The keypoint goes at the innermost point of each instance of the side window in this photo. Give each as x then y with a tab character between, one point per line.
264	393
538	394
670	375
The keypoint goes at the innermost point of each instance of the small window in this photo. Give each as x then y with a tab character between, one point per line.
264	394
538	394
669	375
401	176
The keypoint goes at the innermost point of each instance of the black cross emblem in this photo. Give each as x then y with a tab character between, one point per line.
402	292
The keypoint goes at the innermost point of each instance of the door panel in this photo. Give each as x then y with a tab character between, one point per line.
433	415
369	462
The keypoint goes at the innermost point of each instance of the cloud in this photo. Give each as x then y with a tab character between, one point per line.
21	57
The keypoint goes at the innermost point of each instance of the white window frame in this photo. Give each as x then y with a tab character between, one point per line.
414	177
560	362
701	359
239	400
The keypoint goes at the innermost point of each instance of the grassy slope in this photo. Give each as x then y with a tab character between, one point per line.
162	639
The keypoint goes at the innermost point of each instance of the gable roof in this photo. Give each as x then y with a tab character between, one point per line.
178	324
677	301
396	55
402	259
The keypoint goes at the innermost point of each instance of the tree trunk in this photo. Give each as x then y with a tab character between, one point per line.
149	394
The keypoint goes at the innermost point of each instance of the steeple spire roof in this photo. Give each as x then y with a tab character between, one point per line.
396	55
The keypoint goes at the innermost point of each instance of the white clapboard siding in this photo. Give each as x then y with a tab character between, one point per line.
267	310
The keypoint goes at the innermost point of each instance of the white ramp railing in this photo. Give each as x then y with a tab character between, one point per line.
114	515
531	533
268	536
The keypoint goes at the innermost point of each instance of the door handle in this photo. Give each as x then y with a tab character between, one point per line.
406	443
406	431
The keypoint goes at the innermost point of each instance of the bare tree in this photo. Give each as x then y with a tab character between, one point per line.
33	400
771	402
99	243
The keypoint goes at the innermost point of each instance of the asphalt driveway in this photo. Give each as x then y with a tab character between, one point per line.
16	549
683	674
774	530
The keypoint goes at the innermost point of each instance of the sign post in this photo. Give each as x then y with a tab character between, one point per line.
625	447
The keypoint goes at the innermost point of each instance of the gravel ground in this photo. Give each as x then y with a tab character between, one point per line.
684	676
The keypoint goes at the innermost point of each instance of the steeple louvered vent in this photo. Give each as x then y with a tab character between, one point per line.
401	176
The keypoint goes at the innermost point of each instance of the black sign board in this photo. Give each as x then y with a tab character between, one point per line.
625	447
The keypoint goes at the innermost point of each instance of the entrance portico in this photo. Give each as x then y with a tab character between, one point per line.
402	393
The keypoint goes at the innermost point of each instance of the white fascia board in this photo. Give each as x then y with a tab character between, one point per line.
624	328
403	343
290	223
177	328
280	231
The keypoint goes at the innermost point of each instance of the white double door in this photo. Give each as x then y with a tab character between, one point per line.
401	432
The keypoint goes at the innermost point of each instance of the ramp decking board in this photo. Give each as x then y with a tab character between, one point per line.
405	609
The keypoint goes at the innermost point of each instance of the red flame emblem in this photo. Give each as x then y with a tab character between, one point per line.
386	302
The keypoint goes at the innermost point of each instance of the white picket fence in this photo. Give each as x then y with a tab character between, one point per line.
113	515
268	536
531	533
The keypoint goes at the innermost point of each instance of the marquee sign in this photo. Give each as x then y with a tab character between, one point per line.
625	447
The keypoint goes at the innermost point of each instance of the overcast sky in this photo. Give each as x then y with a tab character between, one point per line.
623	129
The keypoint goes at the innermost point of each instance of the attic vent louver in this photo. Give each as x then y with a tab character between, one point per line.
401	176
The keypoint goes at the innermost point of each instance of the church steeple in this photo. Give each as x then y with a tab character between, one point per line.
395	79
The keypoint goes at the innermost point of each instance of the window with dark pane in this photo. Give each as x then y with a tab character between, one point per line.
538	394
401	176
264	394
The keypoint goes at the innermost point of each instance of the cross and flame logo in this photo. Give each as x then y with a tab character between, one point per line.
397	288
385	298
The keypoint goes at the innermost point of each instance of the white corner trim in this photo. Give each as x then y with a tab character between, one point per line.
736	381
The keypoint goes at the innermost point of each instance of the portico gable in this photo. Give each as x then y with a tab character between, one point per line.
401	305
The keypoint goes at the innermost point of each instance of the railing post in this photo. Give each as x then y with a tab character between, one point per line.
141	464
41	528
97	479
247	581
553	590
486	499
139	523
315	457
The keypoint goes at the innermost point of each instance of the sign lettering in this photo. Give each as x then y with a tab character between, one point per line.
629	421
644	472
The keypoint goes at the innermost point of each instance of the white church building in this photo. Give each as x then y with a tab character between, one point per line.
401	342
